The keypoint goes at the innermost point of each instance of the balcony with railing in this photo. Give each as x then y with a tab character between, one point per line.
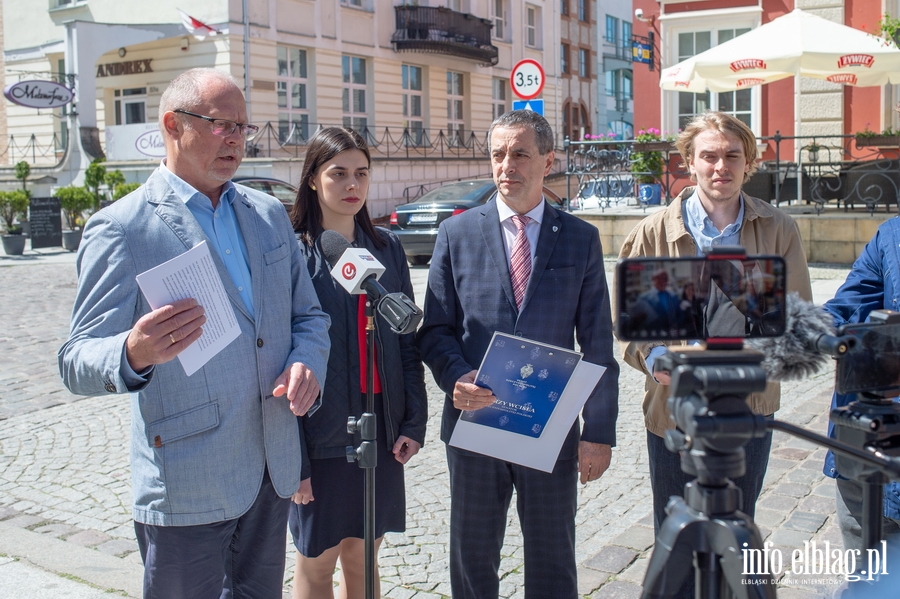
443	31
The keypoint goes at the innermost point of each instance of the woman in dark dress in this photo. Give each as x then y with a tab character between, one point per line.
332	196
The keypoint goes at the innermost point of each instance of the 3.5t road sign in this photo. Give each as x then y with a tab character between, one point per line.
527	79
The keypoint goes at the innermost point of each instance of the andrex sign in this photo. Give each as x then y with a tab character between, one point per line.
129	67
39	94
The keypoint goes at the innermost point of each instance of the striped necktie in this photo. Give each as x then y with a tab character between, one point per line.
520	260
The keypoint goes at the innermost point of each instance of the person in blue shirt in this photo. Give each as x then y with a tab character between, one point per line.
873	284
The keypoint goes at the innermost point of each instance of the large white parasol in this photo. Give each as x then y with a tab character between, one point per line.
798	43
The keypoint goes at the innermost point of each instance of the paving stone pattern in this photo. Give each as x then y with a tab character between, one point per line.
64	467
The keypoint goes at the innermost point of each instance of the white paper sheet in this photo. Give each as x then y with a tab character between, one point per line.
193	274
539	453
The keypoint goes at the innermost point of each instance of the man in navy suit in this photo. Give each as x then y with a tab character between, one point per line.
476	287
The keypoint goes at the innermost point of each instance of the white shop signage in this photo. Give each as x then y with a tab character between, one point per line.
141	141
39	94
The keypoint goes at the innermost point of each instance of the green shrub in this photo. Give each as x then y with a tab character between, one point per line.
74	201
94	176
12	204
123	189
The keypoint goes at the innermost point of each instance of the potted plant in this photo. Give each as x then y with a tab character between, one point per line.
812	151
886	139
13	204
647	164
74	201
889	28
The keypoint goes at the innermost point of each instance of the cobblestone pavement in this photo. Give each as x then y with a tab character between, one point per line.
64	471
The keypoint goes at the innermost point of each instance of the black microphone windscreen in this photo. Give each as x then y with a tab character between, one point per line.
333	246
792	356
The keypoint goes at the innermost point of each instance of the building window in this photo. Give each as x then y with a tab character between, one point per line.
498	96
619	86
292	88
356	3
611	34
456	125
498	16
612	83
575	121
564	7
532	17
583	10
412	104
622	129
564	58
584	62
737	103
626	39
130	105
353	98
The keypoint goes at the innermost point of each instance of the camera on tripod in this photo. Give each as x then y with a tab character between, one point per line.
711	305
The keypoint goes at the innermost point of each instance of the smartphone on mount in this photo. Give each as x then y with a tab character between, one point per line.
721	296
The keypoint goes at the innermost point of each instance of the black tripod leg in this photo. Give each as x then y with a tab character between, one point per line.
872	510
730	539
673	553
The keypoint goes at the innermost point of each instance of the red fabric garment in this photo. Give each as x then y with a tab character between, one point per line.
361	336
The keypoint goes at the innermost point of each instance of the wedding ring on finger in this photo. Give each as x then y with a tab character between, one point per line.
468	403
172	337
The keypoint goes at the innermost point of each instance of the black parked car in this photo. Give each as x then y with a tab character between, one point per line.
284	192
416	223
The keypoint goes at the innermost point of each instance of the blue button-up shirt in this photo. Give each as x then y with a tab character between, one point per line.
221	227
702	229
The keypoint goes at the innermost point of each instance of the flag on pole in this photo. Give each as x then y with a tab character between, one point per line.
198	28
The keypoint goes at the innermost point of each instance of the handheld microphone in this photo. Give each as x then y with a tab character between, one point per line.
357	271
352	268
807	344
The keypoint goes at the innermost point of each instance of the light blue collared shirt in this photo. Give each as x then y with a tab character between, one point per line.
702	229
221	227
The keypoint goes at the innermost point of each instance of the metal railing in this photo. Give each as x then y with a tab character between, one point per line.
439	30
841	169
274	141
608	172
43	150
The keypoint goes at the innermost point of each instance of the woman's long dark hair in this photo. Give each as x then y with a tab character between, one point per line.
306	214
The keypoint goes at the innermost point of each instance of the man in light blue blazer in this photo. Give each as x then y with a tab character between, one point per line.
215	455
561	297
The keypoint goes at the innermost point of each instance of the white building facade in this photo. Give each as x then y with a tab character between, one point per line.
425	80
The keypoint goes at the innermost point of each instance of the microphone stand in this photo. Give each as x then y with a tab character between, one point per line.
366	454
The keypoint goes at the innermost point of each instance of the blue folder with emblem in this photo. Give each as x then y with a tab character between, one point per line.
528	378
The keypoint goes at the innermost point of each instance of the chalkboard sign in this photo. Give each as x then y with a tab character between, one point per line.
46	223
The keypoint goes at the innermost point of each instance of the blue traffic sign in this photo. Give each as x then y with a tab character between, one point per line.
533	105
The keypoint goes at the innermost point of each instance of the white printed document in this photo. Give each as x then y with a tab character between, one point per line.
193	274
540	391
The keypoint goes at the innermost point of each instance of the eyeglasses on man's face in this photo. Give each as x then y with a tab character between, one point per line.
224	127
